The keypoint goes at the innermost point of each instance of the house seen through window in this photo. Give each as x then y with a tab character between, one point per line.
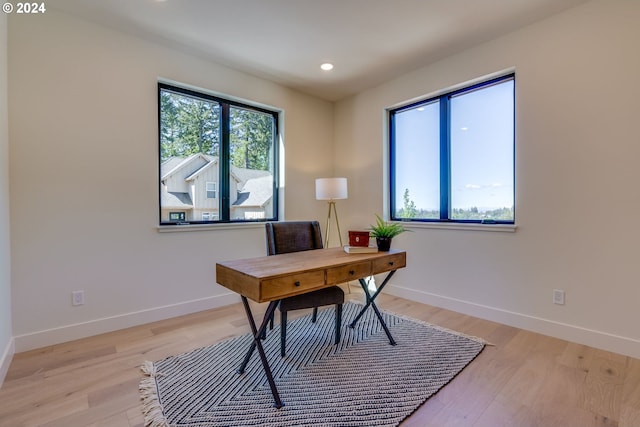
452	156
218	159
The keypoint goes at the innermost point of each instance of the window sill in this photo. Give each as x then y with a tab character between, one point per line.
208	227
505	228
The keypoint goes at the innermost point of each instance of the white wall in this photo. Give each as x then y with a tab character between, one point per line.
577	198
6	339
84	180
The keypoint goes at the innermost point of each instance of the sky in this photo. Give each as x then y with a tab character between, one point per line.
482	150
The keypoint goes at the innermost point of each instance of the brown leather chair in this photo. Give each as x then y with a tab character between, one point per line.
295	236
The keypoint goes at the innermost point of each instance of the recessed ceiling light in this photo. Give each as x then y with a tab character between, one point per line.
327	66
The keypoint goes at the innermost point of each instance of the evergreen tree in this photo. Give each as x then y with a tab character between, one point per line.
251	139
191	125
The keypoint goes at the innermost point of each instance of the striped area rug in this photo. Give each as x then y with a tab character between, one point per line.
364	381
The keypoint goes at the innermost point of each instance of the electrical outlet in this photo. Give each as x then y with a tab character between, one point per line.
77	297
558	296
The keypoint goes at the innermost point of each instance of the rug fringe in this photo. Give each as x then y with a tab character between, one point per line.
151	407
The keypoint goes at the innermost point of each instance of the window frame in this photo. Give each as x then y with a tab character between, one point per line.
223	184
444	100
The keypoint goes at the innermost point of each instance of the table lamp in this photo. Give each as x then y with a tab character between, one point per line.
331	189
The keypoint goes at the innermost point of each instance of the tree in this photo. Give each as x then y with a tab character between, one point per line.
190	125
251	138
409	208
168	126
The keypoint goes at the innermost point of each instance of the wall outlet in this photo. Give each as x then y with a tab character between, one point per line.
77	297
558	296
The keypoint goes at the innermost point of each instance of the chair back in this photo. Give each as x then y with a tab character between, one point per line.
292	236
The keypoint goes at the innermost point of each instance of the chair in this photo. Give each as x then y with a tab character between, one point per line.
295	236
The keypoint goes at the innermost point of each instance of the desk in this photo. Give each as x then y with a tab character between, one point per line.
272	278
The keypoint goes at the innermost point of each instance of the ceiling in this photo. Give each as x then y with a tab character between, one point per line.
369	41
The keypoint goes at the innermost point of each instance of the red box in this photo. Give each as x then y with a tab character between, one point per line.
358	238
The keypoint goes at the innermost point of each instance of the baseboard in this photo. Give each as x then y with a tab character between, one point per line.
5	361
593	338
99	326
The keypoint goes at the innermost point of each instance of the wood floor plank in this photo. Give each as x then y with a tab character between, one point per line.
522	378
630	411
577	356
604	384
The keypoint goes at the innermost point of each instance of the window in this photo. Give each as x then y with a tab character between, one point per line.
209	216
452	156
211	190
177	216
218	159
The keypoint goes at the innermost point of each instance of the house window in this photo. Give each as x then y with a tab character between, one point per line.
209	216
218	158
452	156
177	216
211	190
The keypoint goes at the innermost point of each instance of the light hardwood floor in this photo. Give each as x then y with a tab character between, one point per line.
523	379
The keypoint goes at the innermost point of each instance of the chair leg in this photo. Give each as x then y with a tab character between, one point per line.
315	315
338	322
283	332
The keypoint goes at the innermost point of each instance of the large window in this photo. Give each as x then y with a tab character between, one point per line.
452	156
218	159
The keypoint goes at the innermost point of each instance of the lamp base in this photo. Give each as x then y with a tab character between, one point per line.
332	206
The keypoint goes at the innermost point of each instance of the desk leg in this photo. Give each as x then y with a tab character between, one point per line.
371	302
257	333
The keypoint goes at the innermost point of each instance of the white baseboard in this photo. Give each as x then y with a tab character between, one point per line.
593	338
598	339
5	361
99	326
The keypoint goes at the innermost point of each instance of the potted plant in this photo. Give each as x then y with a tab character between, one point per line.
385	231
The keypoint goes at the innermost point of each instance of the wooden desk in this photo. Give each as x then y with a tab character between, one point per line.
275	277
272	278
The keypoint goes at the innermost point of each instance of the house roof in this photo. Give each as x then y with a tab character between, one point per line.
168	166
256	192
245	175
254	186
173	164
211	161
175	200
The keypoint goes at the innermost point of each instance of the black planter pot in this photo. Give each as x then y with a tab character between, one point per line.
384	243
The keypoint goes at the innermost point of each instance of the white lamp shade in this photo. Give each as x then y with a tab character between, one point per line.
331	188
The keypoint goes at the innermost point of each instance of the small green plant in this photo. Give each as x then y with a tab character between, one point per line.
385	229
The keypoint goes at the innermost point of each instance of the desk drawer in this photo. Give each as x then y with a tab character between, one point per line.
291	285
389	263
345	273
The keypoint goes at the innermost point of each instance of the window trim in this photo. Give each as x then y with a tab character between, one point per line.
225	102
444	145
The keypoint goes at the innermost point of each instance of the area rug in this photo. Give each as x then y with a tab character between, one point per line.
363	381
